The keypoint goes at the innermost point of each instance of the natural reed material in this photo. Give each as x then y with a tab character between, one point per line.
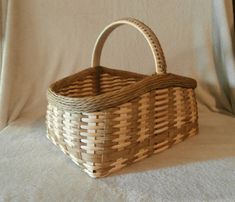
106	119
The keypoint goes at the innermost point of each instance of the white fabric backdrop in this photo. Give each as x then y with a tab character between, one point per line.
201	169
43	41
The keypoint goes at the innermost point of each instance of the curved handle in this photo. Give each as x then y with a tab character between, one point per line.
149	35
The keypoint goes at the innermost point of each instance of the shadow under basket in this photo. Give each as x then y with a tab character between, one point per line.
106	119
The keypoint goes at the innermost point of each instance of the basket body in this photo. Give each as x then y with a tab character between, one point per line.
105	136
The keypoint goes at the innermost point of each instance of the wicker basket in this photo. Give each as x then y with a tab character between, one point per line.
106	119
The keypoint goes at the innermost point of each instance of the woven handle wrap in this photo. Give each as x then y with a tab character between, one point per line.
149	35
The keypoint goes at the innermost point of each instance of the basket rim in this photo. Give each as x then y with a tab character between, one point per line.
117	97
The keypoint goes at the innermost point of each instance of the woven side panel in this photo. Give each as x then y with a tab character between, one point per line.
110	82
79	135
80	88
97	82
104	142
163	117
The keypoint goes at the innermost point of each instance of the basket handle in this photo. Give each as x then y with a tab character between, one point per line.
159	59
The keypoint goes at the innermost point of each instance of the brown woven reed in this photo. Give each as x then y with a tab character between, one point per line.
106	119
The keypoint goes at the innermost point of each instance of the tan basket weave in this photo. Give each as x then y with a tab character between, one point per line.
106	119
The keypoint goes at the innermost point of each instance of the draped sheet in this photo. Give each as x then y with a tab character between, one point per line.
200	169
42	41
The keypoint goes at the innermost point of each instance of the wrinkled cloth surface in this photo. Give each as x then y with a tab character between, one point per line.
43	41
200	169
